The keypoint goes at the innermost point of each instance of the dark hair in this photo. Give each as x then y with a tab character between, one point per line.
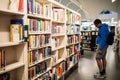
97	21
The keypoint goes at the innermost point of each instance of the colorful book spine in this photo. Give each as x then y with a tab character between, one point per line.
2	60
37	55
37	69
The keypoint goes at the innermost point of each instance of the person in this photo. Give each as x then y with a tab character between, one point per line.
103	31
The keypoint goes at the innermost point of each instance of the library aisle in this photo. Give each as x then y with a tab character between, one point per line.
88	67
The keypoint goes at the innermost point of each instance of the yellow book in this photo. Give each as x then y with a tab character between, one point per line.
14	32
28	58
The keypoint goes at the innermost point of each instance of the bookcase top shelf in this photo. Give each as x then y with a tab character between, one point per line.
9	12
6	44
38	17
12	67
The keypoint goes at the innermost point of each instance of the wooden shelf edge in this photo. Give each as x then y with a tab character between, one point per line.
12	67
60	22
11	12
60	47
59	61
37	32
6	44
41	74
47	45
40	61
57	35
70	55
37	16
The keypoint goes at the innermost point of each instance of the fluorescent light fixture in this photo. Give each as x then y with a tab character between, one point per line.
113	1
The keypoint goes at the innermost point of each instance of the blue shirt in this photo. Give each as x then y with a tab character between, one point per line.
103	32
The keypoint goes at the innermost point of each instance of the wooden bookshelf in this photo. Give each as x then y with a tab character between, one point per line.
14	51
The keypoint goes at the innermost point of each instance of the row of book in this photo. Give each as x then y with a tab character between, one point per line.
37	69
16	5
55	73
72	29
38	55
77	48
46	76
55	43
73	39
72	61
69	51
72	18
57	29
2	60
37	8
39	25
85	33
36	41
58	71
58	14
86	45
54	57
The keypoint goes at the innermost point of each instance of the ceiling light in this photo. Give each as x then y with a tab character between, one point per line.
113	1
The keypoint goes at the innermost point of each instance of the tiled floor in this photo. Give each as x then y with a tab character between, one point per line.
88	67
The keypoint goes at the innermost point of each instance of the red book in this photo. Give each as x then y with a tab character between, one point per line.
20	8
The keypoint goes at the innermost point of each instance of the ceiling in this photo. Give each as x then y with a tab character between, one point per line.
72	4
90	9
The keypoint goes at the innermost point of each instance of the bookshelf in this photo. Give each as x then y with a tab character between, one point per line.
12	52
39	44
43	52
58	39
73	40
89	39
117	40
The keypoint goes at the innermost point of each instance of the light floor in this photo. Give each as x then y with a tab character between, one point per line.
88	67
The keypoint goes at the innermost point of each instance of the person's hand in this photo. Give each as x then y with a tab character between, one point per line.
100	52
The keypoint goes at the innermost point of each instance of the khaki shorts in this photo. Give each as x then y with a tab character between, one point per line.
100	56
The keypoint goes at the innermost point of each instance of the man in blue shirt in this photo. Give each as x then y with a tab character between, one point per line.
102	47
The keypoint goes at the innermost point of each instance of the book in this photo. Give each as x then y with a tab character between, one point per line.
14	32
26	33
21	23
20	7
13	5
